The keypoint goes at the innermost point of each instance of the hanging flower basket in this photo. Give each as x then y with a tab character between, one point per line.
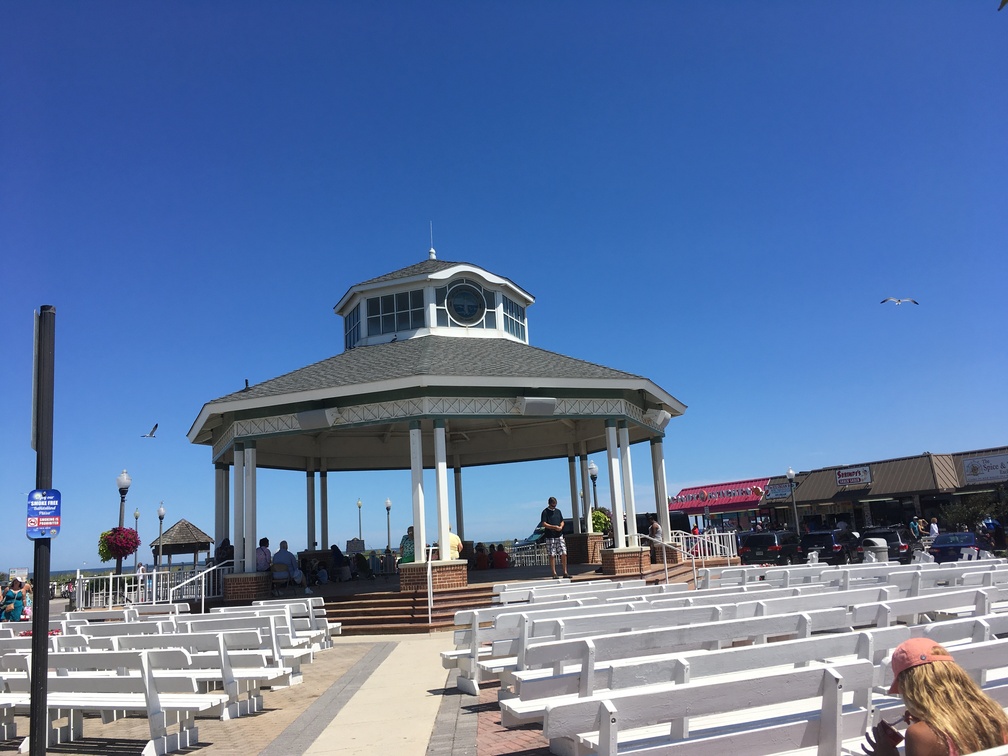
117	543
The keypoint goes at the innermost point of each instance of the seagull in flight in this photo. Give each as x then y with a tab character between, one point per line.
899	301
151	434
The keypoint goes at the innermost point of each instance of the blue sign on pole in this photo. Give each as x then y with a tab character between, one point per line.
43	514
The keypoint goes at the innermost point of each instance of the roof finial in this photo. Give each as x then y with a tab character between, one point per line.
432	255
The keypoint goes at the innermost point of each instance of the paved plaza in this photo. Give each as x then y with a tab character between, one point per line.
366	695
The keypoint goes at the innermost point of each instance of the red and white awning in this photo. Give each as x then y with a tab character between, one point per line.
720	497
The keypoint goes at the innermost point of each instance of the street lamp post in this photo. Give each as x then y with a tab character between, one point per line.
593	474
160	532
388	531
360	535
794	507
388	524
136	527
123	482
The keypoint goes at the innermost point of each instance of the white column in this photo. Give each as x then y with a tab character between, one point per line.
586	491
251	539
441	482
615	485
459	519
628	492
575	504
660	486
324	504
416	483
310	501
221	508
239	510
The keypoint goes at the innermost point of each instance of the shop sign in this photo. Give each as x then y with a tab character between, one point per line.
778	491
853	476
986	469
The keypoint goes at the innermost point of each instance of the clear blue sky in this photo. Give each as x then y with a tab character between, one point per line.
714	195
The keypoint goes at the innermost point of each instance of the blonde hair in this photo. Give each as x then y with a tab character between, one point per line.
944	696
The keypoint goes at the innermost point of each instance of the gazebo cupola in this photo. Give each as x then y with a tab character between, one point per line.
434	297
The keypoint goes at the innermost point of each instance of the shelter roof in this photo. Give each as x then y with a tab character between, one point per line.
457	360
183	538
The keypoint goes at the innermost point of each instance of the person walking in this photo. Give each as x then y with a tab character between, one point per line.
553	522
934	527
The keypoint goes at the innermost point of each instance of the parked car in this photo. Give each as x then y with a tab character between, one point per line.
773	547
832	546
902	543
948	547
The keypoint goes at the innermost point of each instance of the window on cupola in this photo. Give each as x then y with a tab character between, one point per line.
391	313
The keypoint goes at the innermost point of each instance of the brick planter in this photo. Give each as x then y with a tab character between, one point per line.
246	587
451	573
630	561
584	548
672	556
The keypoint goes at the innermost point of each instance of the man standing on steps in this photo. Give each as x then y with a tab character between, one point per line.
553	522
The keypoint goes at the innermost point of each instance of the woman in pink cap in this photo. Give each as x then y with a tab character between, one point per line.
947	713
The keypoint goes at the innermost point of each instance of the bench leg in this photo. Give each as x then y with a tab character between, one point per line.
8	727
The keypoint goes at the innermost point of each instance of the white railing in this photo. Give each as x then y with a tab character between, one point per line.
209	582
528	555
108	591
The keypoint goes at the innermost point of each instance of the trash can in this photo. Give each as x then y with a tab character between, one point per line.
878	547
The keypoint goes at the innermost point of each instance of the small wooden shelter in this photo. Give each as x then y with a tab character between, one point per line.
182	538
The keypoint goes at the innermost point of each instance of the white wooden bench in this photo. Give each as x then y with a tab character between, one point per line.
110	683
232	661
792	709
282	647
582	654
969	601
535	693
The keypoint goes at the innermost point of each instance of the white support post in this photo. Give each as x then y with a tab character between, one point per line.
241	565
324	503
416	484
251	542
221	508
441	483
615	485
572	475
660	486
459	518
310	543
628	492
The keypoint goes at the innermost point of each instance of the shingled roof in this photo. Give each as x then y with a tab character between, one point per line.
431	356
182	538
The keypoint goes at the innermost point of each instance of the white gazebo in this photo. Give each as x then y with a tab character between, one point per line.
436	373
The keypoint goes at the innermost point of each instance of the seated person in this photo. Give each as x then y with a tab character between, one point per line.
225	552
482	561
321	575
363	568
336	560
263	557
501	558
284	558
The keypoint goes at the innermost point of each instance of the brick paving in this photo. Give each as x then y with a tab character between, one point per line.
492	739
236	737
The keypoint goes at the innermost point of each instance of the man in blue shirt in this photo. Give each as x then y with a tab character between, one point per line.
288	560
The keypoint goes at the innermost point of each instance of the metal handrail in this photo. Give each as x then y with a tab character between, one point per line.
665	555
201	576
430	585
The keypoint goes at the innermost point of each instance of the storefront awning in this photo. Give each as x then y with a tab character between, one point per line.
738	496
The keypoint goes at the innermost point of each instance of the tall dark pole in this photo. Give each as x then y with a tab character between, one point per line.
45	371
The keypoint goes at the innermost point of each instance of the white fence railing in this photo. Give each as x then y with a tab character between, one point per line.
108	591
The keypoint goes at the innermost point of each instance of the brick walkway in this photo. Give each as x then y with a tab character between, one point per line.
494	740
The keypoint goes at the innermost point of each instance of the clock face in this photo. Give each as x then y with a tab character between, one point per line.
466	304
